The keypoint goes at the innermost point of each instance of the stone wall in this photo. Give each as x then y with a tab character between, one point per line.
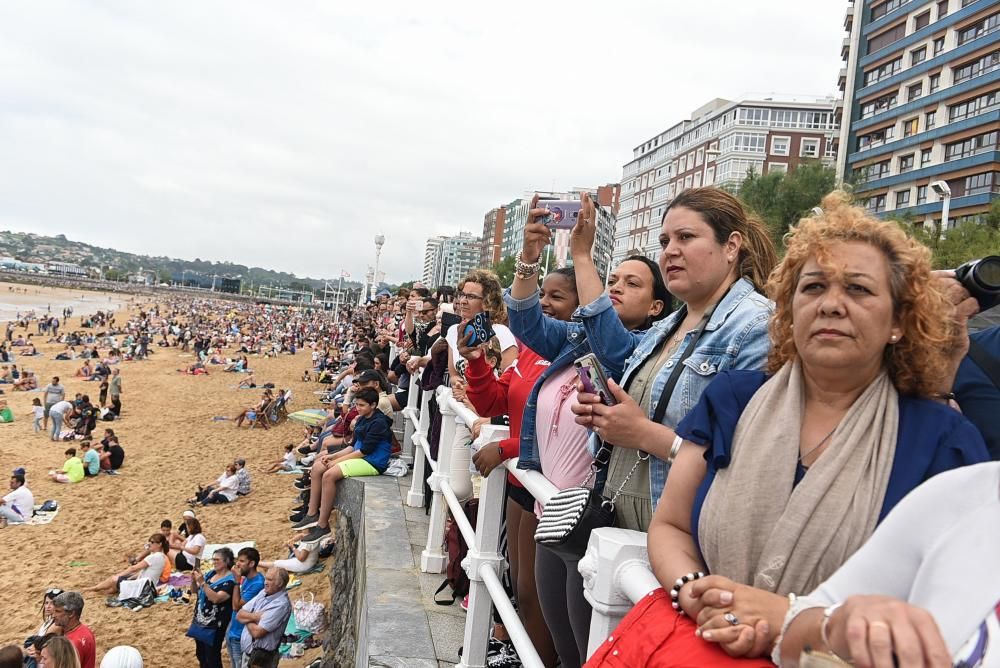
346	641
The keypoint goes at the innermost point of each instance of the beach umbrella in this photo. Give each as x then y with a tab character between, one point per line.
309	416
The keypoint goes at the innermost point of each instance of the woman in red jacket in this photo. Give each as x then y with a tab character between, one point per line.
507	395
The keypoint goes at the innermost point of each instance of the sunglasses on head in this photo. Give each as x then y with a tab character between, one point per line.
53	592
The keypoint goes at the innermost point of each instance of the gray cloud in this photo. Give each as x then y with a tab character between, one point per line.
286	134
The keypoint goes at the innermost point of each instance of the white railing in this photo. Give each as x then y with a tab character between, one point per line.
615	569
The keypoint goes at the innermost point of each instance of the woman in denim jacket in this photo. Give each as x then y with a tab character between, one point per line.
550	441
715	259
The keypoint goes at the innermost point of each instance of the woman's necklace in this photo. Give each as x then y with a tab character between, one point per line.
816	447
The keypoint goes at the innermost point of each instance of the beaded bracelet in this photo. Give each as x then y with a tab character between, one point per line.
675	591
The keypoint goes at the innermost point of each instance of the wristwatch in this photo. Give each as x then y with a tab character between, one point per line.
525	269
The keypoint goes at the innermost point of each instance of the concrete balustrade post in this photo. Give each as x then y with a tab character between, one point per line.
616	573
415	497
411	414
433	559
485	553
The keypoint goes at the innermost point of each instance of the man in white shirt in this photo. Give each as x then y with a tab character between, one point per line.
19	504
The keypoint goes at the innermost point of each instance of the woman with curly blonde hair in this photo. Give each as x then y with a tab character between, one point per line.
782	475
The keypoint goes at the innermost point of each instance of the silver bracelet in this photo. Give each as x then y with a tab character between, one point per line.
827	614
526	269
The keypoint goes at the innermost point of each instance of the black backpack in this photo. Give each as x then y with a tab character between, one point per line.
455	575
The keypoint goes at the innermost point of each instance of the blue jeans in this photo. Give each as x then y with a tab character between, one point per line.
235	651
57	420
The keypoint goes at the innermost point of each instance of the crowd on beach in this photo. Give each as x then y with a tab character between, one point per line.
806	440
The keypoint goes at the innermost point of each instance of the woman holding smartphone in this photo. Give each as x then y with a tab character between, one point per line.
716	259
550	441
508	395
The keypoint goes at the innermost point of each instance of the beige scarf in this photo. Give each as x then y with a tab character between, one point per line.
757	529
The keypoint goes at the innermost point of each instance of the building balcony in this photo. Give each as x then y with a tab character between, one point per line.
845	48
842	79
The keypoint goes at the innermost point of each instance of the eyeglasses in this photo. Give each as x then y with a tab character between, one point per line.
468	296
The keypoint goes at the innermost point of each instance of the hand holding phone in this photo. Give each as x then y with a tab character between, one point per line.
480	328
592	378
562	214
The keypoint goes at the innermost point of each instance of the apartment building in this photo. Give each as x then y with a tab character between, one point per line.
721	142
922	107
448	259
493	229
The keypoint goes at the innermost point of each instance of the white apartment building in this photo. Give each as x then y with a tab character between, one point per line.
717	146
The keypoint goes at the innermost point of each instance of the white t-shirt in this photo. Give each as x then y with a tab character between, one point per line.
197	540
289	460
154	569
61	408
228	484
504	336
21	501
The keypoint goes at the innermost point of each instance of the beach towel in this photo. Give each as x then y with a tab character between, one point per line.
318	568
39	518
397	468
297	470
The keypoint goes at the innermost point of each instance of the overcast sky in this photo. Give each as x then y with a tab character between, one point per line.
286	134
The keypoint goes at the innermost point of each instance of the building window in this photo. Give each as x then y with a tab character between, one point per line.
699	157
902	198
922	21
935	82
688	180
809	148
915	91
876	204
938	45
777	167
780	145
971	146
921	194
887	8
872	172
905	163
910	127
931	120
979	183
876	138
978	67
887	37
918	56
697	179
974	107
754	116
878	105
883	71
710	176
925	157
978	29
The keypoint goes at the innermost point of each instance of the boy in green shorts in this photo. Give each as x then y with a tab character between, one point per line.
367	455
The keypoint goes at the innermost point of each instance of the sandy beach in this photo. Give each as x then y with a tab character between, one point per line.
20	298
172	444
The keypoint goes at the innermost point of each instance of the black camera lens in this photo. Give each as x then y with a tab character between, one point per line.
982	279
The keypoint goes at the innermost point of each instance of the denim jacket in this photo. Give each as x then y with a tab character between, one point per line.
735	338
555	340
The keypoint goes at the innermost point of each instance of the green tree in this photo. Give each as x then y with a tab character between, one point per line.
504	269
782	199
992	217
164	276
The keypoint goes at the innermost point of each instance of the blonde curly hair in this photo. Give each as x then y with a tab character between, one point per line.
492	293
918	361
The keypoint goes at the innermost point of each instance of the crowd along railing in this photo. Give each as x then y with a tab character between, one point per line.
615	569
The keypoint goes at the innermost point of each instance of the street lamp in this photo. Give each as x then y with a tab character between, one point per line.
379	241
943	191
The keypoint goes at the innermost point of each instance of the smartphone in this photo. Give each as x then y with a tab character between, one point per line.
481	329
449	319
592	377
562	214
